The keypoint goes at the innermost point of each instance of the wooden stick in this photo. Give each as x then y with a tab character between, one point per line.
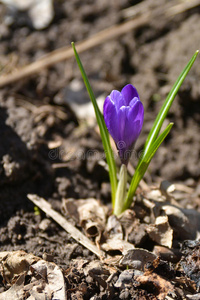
67	52
73	231
182	7
168	10
113	32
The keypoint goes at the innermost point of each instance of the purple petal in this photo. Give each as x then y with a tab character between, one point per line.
135	119
123	115
122	119
133	101
110	117
123	143
117	98
129	92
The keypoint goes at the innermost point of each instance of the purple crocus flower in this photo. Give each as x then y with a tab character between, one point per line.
123	115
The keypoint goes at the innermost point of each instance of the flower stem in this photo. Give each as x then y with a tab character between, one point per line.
121	191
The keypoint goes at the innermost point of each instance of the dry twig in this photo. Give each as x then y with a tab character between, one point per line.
73	231
64	53
67	52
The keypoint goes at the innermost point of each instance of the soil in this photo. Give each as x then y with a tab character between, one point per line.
40	131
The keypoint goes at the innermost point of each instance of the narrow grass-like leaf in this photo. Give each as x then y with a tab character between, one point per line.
167	104
143	165
103	130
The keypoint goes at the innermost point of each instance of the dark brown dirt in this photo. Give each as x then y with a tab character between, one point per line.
36	112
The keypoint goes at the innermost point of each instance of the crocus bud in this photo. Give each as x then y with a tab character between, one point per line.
124	115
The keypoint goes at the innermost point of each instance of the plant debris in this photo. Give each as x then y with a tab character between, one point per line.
50	148
46	280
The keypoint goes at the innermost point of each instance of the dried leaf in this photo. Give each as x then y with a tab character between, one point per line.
185	222
16	292
53	279
117	245
47	281
127	219
174	191
155	195
89	213
161	231
159	285
137	258
16	263
114	228
166	254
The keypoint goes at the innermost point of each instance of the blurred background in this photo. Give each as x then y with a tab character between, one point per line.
50	144
145	43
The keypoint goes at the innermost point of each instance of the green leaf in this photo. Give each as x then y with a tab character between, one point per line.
167	104
103	130
153	141
143	165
